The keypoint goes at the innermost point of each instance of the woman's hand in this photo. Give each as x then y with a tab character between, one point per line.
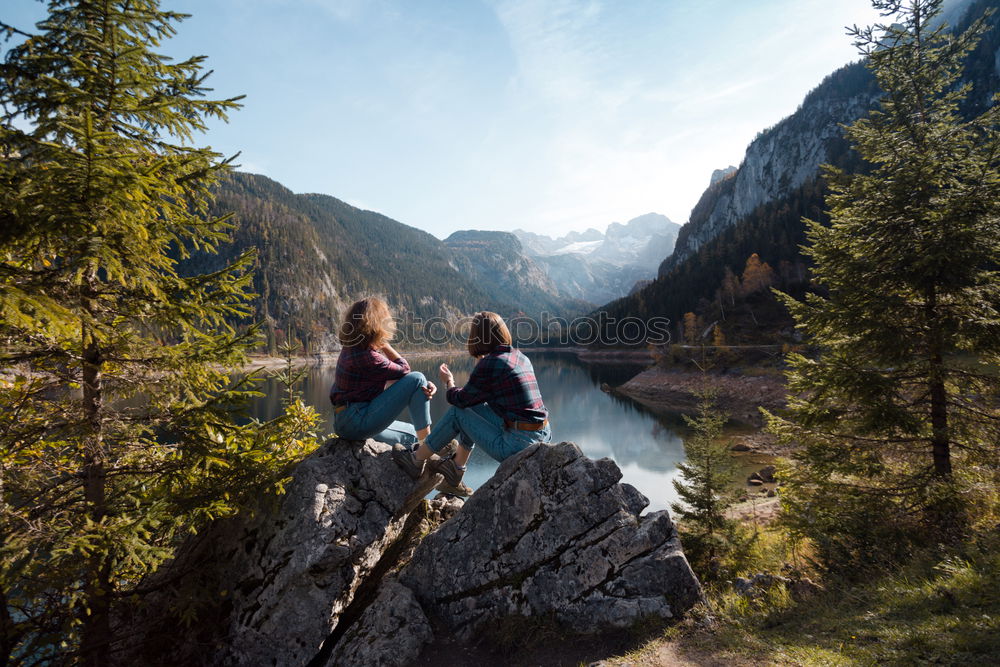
430	389
447	379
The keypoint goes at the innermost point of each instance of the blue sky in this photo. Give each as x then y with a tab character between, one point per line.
549	115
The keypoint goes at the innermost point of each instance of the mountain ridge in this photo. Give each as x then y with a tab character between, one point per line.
316	254
598	266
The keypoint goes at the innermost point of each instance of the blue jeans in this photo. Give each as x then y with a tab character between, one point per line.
377	418
481	426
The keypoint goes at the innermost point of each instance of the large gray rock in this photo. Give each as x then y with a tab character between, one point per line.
306	560
285	576
392	631
351	567
554	538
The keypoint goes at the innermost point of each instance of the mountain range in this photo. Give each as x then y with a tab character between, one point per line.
598	267
316	253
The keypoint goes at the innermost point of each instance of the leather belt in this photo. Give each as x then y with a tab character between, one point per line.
526	426
340	408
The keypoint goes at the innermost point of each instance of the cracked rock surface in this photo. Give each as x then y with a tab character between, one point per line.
307	559
392	628
553	535
349	567
282	579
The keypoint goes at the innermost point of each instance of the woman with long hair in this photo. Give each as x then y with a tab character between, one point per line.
373	382
499	409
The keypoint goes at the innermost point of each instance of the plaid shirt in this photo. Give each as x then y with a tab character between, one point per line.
362	373
505	380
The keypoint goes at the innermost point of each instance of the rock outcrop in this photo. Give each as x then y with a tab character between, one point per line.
552	538
353	567
276	584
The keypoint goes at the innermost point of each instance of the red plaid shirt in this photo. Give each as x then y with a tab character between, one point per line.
504	380
362	373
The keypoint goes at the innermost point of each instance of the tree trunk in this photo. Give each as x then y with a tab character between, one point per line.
96	631
7	639
940	438
940	441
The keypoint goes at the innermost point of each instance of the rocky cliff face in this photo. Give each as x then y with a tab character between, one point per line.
352	567
779	160
759	209
788	155
721	174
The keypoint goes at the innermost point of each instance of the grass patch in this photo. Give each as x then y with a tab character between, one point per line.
942	608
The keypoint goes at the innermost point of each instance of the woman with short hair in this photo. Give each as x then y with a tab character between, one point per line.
373	382
499	409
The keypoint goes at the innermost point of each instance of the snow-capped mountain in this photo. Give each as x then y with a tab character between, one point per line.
599	267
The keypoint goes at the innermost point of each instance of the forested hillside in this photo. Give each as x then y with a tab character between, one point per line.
317	254
781	172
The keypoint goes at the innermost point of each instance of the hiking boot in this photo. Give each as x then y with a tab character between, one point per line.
449	450
405	459
447	469
461	490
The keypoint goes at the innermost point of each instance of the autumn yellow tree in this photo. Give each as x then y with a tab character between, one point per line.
718	338
757	275
692	328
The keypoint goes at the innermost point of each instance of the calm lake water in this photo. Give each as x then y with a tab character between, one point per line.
645	446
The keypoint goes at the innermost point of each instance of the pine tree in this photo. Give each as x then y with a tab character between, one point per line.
901	400
116	411
706	490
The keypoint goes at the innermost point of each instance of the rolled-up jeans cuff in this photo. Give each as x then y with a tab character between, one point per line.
431	442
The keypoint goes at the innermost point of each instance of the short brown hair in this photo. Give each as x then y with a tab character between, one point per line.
368	322
487	333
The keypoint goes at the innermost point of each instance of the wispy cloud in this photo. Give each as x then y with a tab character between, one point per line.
505	113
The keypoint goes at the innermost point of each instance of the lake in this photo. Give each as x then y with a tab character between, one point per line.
646	446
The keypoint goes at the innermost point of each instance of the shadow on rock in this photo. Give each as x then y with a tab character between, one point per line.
352	567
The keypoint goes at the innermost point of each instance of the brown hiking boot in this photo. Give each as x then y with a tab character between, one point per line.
462	490
449	450
451	473
405	459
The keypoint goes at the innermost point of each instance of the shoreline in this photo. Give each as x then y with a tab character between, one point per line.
583	353
599	355
265	361
739	396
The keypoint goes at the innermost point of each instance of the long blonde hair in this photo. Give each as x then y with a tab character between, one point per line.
368	322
